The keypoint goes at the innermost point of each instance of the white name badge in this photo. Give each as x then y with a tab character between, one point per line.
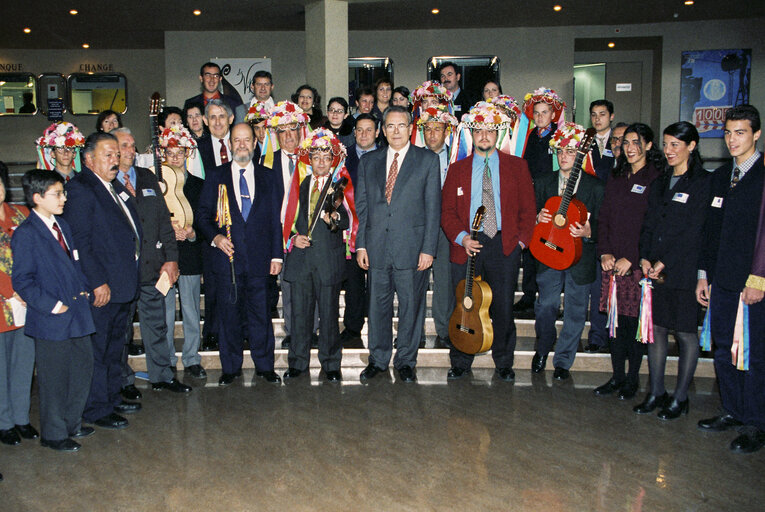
124	196
638	189
680	197
75	255
460	192
159	245
717	202
149	192
608	152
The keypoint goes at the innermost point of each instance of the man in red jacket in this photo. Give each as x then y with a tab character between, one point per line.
502	184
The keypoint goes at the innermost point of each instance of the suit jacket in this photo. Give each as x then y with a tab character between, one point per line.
603	164
199	100
158	244
256	241
408	225
190	253
352	164
516	197
538	153
103	235
43	275
590	192
205	148
462	104
327	249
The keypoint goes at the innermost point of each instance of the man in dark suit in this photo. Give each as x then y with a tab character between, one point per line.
398	202
725	263
315	264
159	254
210	79
576	279
461	99
107	232
253	252
502	184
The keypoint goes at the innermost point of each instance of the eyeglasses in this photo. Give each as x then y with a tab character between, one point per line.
336	111
58	194
290	129
211	75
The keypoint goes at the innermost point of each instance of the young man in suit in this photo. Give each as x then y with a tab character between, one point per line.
47	275
256	248
502	184
450	78
578	278
107	232
725	265
398	203
316	262
210	78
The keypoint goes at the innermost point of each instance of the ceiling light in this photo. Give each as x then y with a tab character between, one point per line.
557	8
27	30
611	44
435	11
74	12
688	2
197	12
85	45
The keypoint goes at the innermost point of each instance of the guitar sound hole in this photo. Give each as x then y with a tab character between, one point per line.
467	302
560	220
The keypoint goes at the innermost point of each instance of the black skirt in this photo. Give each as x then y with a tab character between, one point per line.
675	309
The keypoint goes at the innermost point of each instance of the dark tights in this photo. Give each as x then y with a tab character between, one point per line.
625	348
688	345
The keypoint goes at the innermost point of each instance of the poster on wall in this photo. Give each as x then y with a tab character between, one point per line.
238	73
711	82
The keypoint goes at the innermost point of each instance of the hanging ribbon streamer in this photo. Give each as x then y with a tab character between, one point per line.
645	320
740	347
223	217
613	307
705	340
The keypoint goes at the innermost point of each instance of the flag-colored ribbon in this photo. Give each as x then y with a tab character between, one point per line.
645	320
613	308
740	348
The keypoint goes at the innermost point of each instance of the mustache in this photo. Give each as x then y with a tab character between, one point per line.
115	168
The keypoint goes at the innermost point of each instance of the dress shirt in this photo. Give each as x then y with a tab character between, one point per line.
286	178
216	148
361	152
602	141
745	165
49	222
389	160
476	189
108	185
443	157
131	174
249	177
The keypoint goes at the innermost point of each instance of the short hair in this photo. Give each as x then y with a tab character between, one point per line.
262	74
306	87
4	178
218	103
368	117
38	181
188	107
165	112
124	130
364	91
248	125
447	64
103	115
744	112
383	80
340	100
93	140
394	109
208	65
602	103
620	124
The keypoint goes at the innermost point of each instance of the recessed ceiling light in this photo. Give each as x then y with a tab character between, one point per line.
197	12
74	12
557	8
435	11
688	2
85	45
611	44
27	30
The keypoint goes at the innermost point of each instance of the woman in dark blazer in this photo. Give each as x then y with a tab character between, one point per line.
670	241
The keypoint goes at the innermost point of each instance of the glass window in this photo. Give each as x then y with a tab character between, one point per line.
364	72
94	93
51	87
475	71
18	94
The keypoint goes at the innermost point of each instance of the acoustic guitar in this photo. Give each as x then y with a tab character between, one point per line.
171	179
552	242
470	329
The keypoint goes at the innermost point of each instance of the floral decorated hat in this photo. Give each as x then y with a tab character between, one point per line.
568	135
177	137
436	115
322	139
258	112
509	104
61	135
287	112
430	88
486	116
543	95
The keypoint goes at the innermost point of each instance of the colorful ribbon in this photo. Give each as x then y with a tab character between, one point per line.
613	308
740	348
645	319
705	340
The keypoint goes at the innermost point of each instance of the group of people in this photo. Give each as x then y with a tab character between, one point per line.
369	203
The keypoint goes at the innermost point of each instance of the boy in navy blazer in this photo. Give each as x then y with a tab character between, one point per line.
48	276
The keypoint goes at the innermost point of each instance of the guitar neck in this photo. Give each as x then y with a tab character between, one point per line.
470	272
155	144
573	180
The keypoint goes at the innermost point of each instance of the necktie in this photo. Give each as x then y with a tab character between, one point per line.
601	144
391	181
292	165
128	185
68	178
563	186
487	198
736	177
223	151
123	208
60	238
315	193
244	193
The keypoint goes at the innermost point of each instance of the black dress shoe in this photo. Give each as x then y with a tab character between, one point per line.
370	372
293	373
10	437
591	348
130	392
83	432
406	373
226	379
286	341
113	421
127	407
561	374
628	391
333	376
457	373
269	376
27	431
651	402
674	409
607	388
174	385
748	442
538	362
506	374
134	349
351	339
63	445
719	423
196	371
525	303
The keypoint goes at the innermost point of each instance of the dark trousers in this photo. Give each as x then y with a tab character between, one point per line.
443	288
248	317
64	372
501	273
306	293
598	334
128	375
742	393
625	348
356	299
151	318
529	265
108	342
209	328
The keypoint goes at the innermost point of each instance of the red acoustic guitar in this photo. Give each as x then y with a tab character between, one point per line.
552	243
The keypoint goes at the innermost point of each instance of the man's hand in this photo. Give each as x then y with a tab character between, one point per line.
302	241
752	296
622	266
362	259
102	295
425	261
544	216
702	292
224	244
579	231
607	262
276	267
171	267
472	247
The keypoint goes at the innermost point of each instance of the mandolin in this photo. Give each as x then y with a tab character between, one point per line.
171	179
470	329
552	242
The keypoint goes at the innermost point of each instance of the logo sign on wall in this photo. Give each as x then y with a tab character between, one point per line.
238	73
711	82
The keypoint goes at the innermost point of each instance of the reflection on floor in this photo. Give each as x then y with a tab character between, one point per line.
476	444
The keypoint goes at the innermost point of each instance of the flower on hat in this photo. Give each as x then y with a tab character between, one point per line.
568	135
257	112
430	88
509	104
486	116
61	135
437	115
286	112
543	95
177	137
322	139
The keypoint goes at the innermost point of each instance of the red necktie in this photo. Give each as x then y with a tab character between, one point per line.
60	238
391	181
128	185
223	152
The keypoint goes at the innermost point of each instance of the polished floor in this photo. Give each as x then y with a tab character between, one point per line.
477	444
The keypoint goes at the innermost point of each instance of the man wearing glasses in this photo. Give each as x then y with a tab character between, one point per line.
210	78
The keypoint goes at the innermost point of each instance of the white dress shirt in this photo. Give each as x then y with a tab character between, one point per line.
249	177
216	147
389	159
